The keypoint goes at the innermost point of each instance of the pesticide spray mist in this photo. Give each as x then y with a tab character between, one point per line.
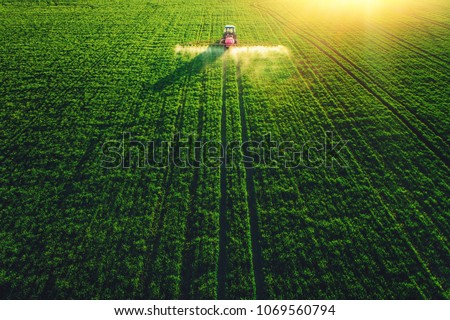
263	51
236	53
256	57
251	59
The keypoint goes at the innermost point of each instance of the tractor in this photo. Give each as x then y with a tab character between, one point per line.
229	38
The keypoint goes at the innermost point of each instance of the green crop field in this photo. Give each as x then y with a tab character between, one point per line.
85	83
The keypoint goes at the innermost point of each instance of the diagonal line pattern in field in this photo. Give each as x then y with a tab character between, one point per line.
439	150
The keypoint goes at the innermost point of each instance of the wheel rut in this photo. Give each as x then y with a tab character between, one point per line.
223	225
255	231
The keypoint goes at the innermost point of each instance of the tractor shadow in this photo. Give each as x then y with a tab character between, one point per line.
194	66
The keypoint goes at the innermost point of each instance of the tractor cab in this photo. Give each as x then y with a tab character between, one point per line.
229	30
229	38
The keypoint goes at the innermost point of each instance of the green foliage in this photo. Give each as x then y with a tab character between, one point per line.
75	74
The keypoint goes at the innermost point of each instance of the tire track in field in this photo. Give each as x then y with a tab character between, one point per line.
150	258
223	224
422	30
398	226
79	80
434	22
162	208
413	48
375	82
190	232
430	145
255	232
372	81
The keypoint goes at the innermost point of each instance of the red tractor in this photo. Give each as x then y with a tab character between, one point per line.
229	38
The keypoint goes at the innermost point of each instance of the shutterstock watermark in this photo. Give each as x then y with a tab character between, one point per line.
191	152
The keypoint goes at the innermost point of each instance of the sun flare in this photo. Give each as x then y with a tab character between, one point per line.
354	9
